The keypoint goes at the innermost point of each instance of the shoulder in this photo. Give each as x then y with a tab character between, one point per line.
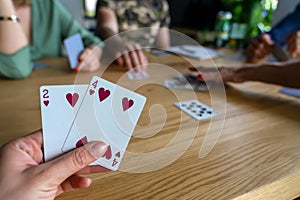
46	6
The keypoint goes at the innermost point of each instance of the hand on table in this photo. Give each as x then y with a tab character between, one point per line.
259	48
89	59
227	74
293	44
133	59
23	175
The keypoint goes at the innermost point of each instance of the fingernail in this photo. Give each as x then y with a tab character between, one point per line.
200	77
76	69
78	59
98	149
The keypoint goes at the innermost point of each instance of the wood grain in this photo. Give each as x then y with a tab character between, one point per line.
256	157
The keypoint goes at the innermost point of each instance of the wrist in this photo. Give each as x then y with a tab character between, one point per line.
250	73
12	18
257	72
241	75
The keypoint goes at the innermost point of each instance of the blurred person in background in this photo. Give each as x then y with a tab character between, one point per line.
285	33
34	29
116	16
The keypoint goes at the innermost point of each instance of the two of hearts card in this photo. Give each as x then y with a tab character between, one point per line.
73	115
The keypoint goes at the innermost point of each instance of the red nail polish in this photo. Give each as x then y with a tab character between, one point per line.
200	77
76	69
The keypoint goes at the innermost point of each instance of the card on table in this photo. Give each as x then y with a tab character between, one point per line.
133	75
59	104
291	92
158	52
39	65
194	51
108	113
196	109
188	82
74	47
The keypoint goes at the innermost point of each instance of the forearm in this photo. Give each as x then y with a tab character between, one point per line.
285	74
113	41
12	37
104	32
163	38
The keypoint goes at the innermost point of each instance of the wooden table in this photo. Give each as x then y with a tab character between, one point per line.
257	155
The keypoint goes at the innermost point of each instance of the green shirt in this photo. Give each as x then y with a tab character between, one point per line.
51	24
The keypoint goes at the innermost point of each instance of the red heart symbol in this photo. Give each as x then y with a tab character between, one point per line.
46	103
118	154
92	91
81	142
127	103
72	98
103	94
107	154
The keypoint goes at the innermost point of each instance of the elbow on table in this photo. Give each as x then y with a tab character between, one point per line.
20	72
17	65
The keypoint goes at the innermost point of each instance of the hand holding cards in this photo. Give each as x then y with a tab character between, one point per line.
279	53
101	111
74	47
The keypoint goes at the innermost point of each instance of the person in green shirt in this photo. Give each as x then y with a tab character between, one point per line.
33	29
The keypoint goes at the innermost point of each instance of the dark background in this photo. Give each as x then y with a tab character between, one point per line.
194	14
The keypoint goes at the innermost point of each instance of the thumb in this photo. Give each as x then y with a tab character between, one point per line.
66	165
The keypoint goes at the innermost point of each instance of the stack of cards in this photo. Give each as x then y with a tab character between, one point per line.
187	81
73	115
133	75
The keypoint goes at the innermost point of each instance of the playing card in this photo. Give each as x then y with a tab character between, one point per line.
158	52
196	109
186	82
74	47
59	105
291	92
108	113
194	51
279	53
39	65
133	75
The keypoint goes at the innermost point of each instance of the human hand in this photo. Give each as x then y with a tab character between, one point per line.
227	74
133	59
23	175
293	44
89	59
259	48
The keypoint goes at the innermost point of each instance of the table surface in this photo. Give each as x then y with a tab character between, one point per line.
256	155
